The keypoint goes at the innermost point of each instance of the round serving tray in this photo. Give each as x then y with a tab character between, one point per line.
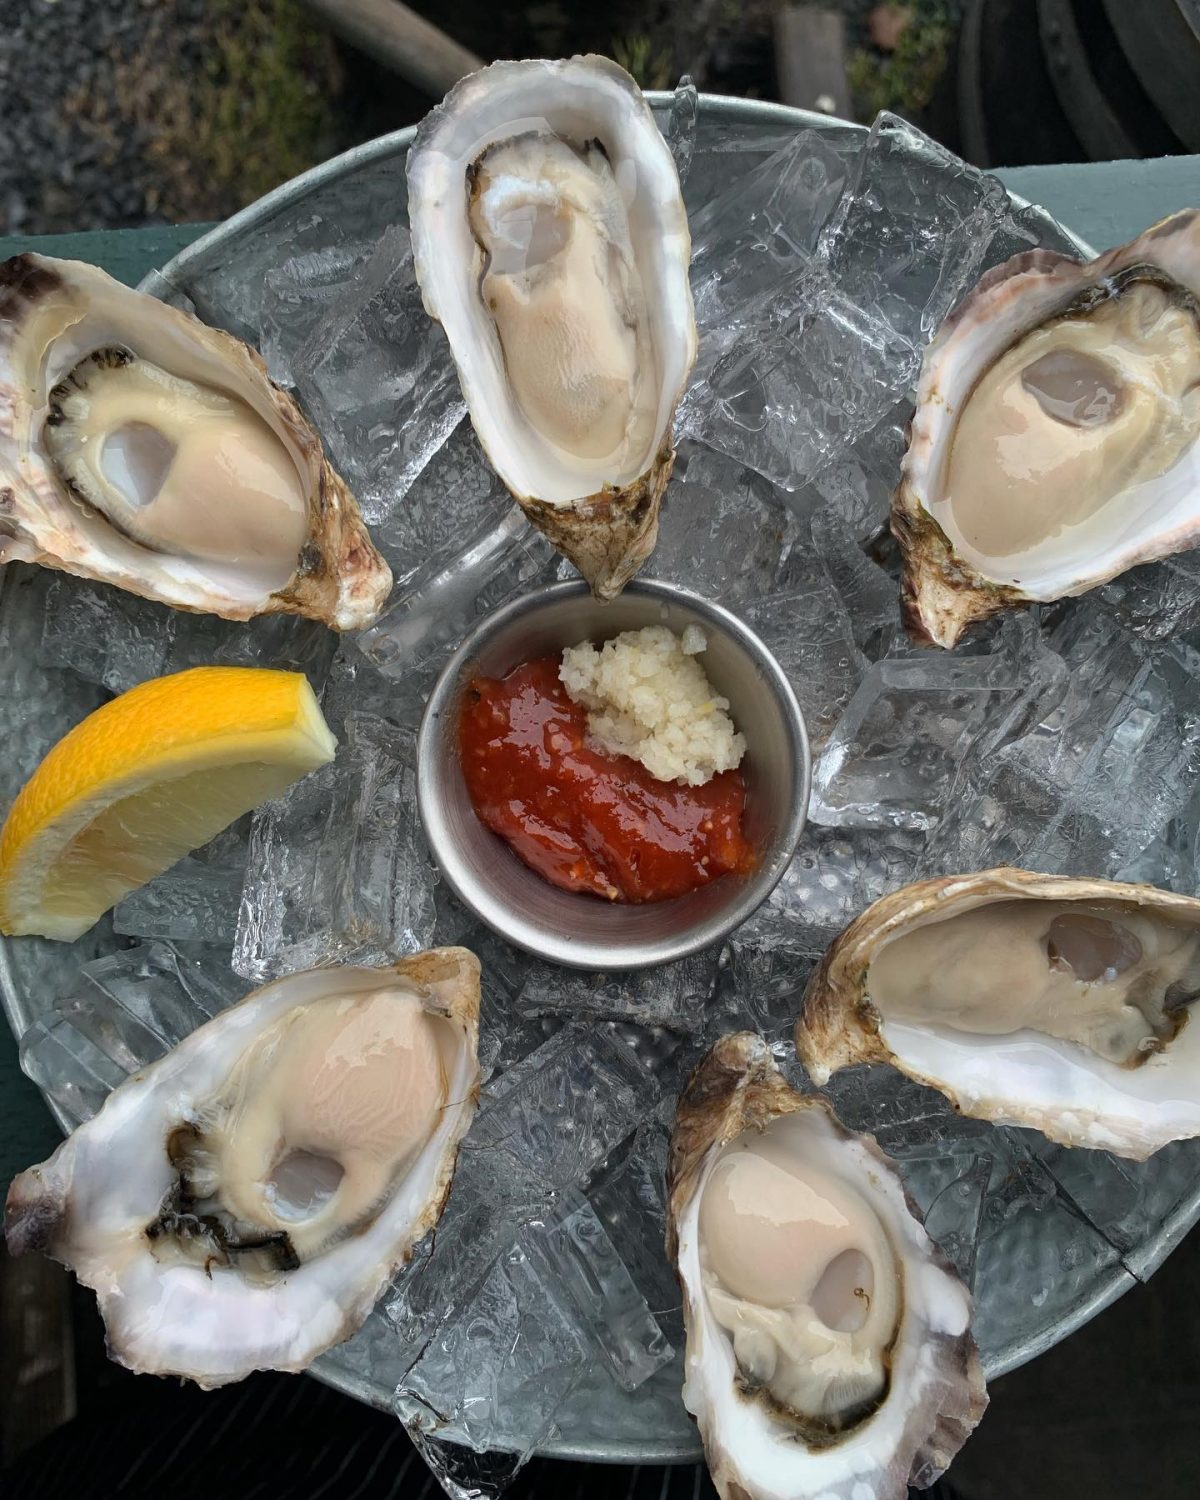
599	1422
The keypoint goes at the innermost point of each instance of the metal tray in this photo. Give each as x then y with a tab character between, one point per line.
600	1422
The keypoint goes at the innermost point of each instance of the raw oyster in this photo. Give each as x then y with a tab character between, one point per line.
829	1350
1026	999
142	448
1055	440
242	1203
551	242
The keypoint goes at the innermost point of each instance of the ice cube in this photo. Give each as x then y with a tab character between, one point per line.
952	1219
494	1377
1004	814
871	598
1170	858
724	154
723	531
194	901
1107	761
974	1184
1034	1252
353	686
197	899
525	1034
377	378
903	1116
855	487
430	613
911	231
799	379
836	873
1158	601
1103	664
628	1193
564	1107
462	1473
894	756
574	1254
673	995
1119	1198
484	1214
123	1011
104	634
1143	768
69	1065
40	703
815	347
167	989
285	643
296	297
338	868
1028	228
755	237
374	1356
452	504
502	973
119	640
767	963
226	284
809	633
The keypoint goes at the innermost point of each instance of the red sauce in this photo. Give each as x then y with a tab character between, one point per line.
584	820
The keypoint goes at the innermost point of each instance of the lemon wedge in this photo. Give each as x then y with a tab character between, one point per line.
156	772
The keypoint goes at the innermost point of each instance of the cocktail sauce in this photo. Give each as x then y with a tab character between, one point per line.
583	819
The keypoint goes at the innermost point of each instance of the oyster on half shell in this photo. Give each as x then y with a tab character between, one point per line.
142	448
1056	438
829	1351
1039	1000
551	243
242	1203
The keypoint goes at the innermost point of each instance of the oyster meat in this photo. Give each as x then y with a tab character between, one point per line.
1055	438
829	1351
551	243
242	1203
1027	999
144	449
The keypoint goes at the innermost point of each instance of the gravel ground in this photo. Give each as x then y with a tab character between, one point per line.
122	112
67	166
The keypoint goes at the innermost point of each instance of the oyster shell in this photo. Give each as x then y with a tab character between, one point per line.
1026	999
829	1350
241	1204
551	242
144	449
1055	439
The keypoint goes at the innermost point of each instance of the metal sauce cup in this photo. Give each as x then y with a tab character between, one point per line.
578	929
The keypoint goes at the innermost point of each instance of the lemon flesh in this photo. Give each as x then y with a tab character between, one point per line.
146	778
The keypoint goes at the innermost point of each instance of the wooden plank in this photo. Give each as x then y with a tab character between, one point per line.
1108	202
401	40
126	254
37	1351
810	59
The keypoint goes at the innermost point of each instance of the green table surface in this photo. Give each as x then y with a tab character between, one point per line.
1104	202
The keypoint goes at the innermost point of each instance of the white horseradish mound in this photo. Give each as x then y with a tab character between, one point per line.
647	697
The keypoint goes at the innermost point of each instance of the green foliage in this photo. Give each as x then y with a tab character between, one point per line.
232	112
904	80
651	67
261	112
